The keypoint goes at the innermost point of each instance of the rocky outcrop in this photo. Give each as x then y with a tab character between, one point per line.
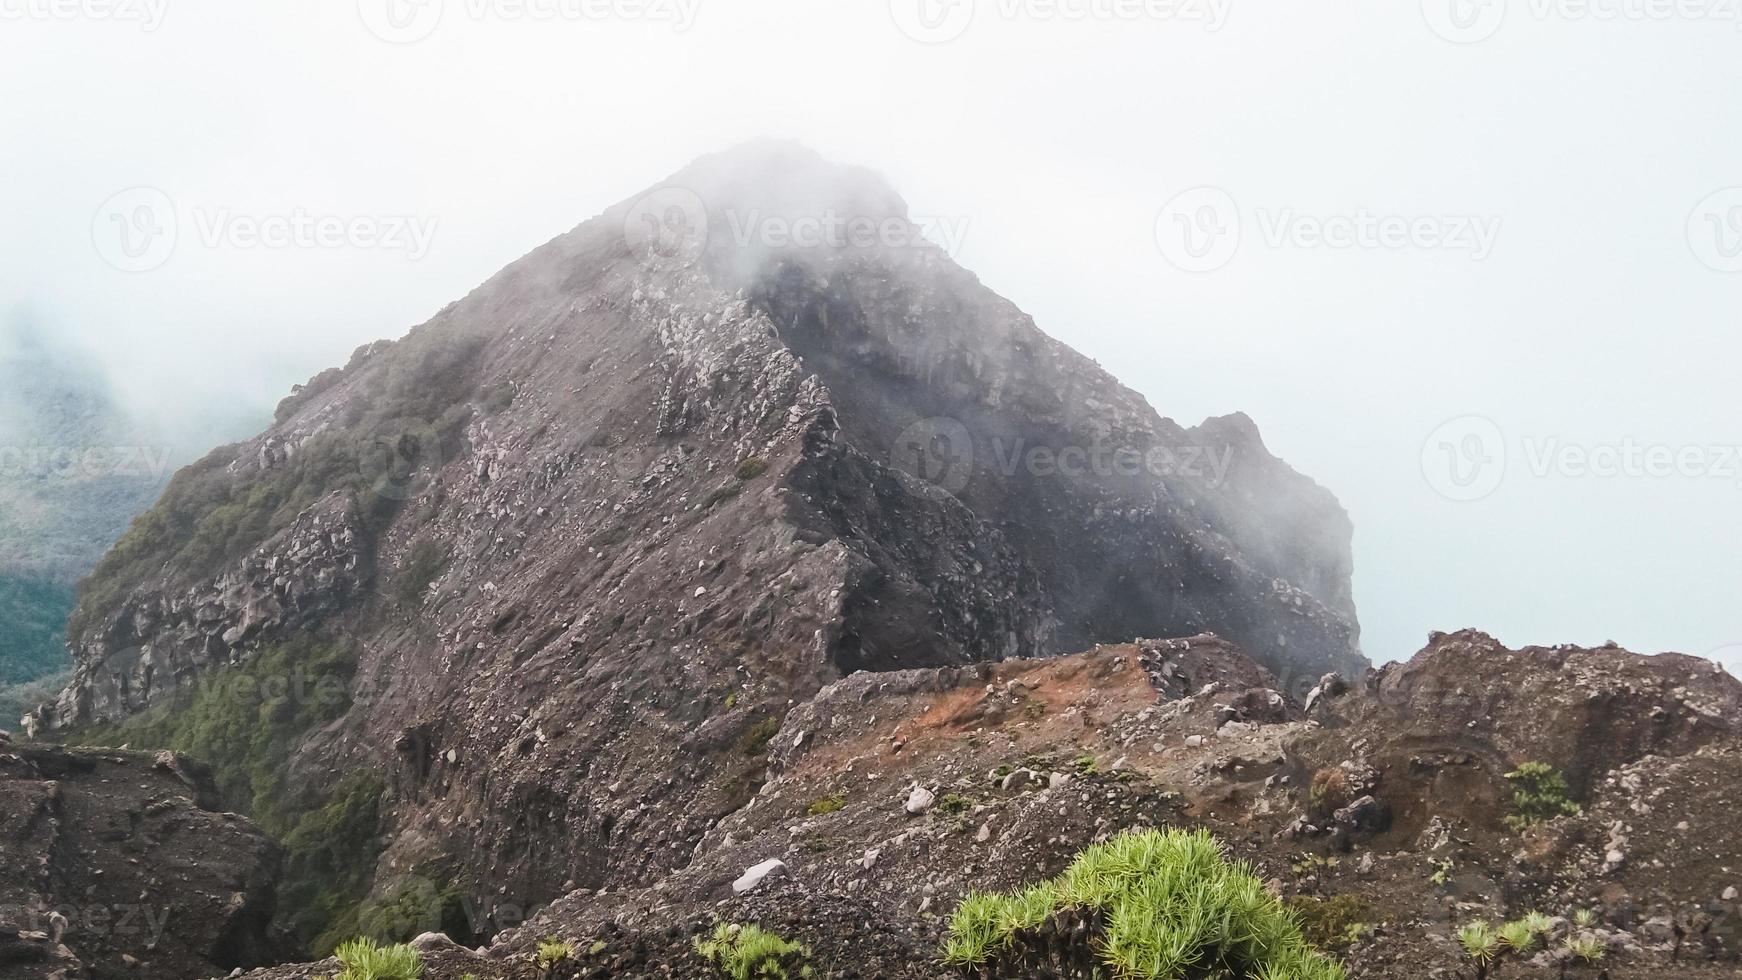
598	525
115	865
892	796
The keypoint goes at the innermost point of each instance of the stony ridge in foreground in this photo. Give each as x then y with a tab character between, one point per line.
1384	801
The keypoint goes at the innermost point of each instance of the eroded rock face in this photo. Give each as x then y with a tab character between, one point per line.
113	865
616	510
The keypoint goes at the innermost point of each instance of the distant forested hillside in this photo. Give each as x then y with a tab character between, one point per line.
74	471
33	618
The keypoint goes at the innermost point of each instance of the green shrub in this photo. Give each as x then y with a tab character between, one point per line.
1332	923
423	565
755	739
364	959
1590	949
827	804
752	467
1539	795
1517	937
1170	906
747	952
953	803
552	951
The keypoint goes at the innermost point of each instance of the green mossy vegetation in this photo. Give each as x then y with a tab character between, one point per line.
752	953
365	959
404	425
246	721
826	804
1333	923
1171	907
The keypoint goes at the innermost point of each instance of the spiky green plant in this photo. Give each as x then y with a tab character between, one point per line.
1585	918
1482	945
1587	948
1539	923
1518	937
552	951
365	959
1170	905
747	951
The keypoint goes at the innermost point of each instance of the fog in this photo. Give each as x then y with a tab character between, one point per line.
1473	267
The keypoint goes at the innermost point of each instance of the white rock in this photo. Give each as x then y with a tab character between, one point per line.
985	834
1730	894
771	868
1194	741
433	941
920	799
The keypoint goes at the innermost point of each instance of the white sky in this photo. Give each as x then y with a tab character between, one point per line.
1593	320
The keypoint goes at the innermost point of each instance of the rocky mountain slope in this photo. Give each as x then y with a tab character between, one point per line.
1379	813
589	533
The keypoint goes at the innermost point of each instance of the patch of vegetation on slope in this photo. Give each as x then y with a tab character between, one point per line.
1152	905
246	722
33	617
391	434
